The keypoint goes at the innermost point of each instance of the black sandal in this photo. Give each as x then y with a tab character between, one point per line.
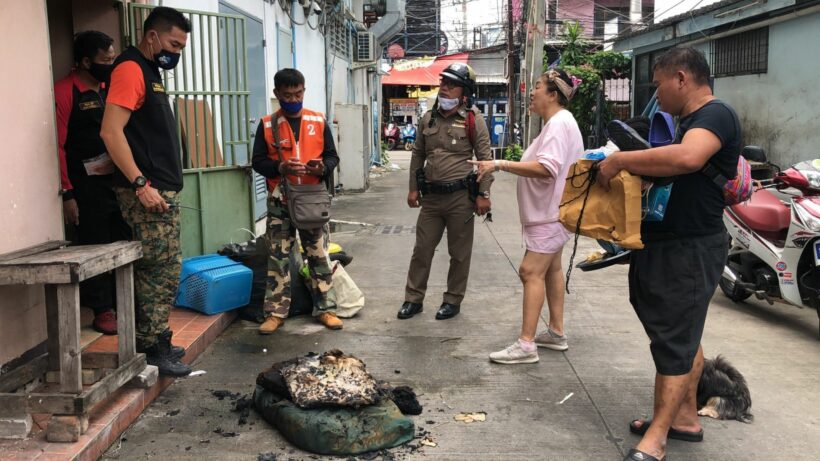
673	433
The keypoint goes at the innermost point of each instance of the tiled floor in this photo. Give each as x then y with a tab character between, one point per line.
110	418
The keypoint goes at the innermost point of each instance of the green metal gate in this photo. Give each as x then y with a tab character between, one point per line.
209	91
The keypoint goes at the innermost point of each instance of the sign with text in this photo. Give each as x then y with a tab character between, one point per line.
403	107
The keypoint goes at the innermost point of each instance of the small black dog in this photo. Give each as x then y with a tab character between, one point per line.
723	393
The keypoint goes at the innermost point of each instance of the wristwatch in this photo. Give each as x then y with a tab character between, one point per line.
139	181
485	194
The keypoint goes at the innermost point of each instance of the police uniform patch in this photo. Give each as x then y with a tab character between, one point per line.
157	87
90	105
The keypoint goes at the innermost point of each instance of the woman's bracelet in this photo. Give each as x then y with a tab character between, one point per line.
496	165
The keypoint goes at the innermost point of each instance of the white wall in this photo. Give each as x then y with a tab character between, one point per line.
780	109
309	48
309	44
30	207
665	9
346	86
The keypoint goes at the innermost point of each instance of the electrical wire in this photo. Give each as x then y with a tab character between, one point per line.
285	5
318	20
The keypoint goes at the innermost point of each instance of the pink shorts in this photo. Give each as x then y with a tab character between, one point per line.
546	238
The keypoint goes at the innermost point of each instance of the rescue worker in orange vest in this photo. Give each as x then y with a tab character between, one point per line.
302	152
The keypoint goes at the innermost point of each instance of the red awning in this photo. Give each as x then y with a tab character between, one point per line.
421	71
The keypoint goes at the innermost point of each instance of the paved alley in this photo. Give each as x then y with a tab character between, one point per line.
571	405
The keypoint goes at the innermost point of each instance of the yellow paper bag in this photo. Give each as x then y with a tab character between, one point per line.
614	216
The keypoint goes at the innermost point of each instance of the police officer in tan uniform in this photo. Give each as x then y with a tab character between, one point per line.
450	134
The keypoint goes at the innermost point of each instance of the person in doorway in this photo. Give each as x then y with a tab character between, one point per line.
89	203
295	145
672	279
449	134
140	132
542	173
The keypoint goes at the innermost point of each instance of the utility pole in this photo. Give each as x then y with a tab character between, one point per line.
438	27
534	61
635	12
511	89
464	24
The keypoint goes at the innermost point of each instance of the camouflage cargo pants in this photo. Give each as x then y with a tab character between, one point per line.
156	275
280	236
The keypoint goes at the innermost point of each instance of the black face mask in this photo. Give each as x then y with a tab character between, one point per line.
166	59
100	72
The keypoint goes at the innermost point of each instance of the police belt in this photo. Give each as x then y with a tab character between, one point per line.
447	188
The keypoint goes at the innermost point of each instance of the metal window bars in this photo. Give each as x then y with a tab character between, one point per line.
209	88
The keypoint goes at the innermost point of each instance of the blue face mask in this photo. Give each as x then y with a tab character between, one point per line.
291	107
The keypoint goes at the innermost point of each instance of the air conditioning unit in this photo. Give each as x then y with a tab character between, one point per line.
365	47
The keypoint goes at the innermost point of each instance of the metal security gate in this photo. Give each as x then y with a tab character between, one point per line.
209	96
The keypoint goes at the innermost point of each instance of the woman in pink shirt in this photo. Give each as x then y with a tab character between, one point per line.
542	173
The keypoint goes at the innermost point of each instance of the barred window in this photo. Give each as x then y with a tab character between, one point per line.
642	79
338	36
741	54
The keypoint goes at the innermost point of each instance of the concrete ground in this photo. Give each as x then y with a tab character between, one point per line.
571	405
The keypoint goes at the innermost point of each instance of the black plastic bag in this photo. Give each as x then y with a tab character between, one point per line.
254	255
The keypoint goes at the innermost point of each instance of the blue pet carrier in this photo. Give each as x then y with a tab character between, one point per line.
212	284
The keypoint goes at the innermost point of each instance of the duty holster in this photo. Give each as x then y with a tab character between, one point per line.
421	182
470	183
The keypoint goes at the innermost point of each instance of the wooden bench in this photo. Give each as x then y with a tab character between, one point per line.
61	269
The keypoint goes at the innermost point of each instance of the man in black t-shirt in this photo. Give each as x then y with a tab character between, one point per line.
672	279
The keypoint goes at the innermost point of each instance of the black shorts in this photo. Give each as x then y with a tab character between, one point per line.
671	283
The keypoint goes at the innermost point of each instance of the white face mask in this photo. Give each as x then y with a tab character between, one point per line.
447	104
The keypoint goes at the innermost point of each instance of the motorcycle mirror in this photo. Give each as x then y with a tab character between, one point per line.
754	154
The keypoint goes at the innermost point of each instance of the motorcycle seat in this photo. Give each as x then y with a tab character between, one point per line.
764	212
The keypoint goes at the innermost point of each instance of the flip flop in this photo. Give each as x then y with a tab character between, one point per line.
673	433
637	455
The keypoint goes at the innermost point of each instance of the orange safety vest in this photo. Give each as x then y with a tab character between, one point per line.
310	146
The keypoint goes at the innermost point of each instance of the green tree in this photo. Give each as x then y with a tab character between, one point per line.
611	64
513	153
575	47
585	102
580	59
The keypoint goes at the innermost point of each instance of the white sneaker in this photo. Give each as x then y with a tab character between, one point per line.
552	340
514	354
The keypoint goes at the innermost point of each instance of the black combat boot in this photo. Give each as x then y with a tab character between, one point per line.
177	352
161	356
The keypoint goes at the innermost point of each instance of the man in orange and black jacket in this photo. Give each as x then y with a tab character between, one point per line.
86	170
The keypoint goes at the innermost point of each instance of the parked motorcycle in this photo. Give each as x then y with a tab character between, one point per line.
408	136
775	246
516	134
391	135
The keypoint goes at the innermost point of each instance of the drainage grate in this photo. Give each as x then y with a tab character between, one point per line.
390	229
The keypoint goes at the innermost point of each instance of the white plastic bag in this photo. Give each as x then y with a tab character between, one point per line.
348	297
